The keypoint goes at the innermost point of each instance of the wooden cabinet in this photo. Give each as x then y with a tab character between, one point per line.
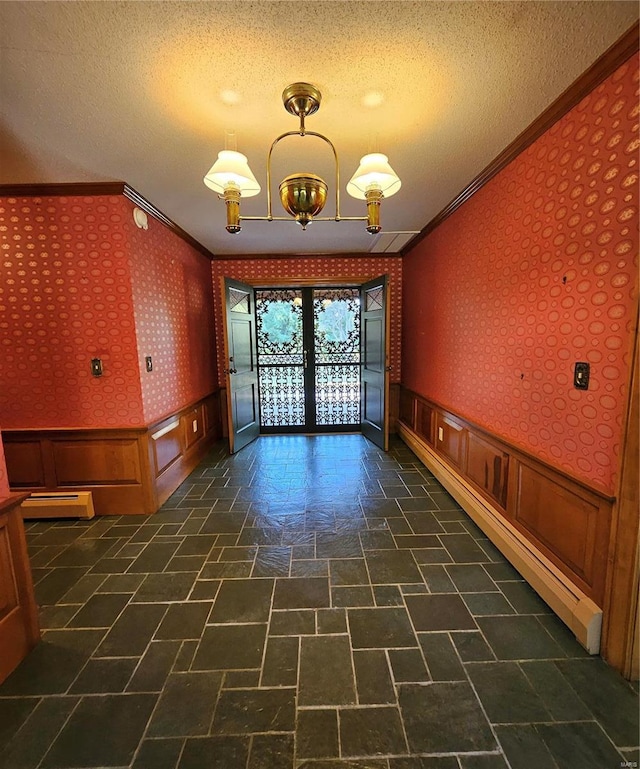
19	630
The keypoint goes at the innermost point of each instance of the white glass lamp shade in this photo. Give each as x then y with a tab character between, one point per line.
232	168
374	172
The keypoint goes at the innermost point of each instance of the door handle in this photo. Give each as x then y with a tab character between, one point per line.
388	368
305	359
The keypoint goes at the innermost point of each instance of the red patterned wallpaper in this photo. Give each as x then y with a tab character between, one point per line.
65	298
79	280
536	271
360	268
4	481
173	307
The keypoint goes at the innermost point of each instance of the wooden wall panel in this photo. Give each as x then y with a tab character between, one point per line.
563	518
451	439
488	467
194	425
95	461
407	413
167	445
425	419
129	472
24	464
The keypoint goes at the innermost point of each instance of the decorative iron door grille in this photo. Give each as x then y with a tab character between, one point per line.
308	359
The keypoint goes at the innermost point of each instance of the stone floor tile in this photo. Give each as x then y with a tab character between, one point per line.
392	567
558	696
272	561
380	628
302	593
487	604
186	705
247	711
84	740
524	599
280	666
373	679
432	716
132	631
298	622
424	762
154	667
215	753
519	638
612	701
463	548
348	571
371	731
472	647
356	595
230	647
331	621
439	612
442	659
506	694
104	676
408	666
271	751
34	738
183	620
326	671
158	754
53	665
242	600
317	734
157	588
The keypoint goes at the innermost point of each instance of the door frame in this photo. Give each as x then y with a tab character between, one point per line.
306	282
310	367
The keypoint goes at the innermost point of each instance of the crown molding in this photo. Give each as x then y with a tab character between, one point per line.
625	47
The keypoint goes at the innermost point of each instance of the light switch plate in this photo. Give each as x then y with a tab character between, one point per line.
581	373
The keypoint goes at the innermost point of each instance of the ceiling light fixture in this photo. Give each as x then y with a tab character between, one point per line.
303	195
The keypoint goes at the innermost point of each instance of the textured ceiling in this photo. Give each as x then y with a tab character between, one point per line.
145	91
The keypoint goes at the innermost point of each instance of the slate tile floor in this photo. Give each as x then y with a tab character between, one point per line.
310	602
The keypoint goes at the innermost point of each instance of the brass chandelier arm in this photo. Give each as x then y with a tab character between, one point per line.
315	219
302	132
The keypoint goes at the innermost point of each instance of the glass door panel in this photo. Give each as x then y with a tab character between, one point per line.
308	359
336	339
280	358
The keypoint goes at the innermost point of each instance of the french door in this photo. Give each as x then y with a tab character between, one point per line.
308	359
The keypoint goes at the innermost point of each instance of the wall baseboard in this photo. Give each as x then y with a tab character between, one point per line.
575	609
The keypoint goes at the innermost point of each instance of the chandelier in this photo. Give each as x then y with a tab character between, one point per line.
302	195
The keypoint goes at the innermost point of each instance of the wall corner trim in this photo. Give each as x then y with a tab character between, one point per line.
572	605
625	47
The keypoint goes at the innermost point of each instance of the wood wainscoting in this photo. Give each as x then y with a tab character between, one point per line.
554	528
129	471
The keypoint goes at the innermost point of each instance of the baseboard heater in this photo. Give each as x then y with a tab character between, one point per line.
575	609
58	505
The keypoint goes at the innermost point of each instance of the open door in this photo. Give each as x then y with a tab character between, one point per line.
241	364
374	361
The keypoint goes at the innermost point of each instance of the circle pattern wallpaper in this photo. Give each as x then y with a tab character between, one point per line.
538	270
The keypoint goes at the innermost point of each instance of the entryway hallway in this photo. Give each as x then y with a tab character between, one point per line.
308	602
